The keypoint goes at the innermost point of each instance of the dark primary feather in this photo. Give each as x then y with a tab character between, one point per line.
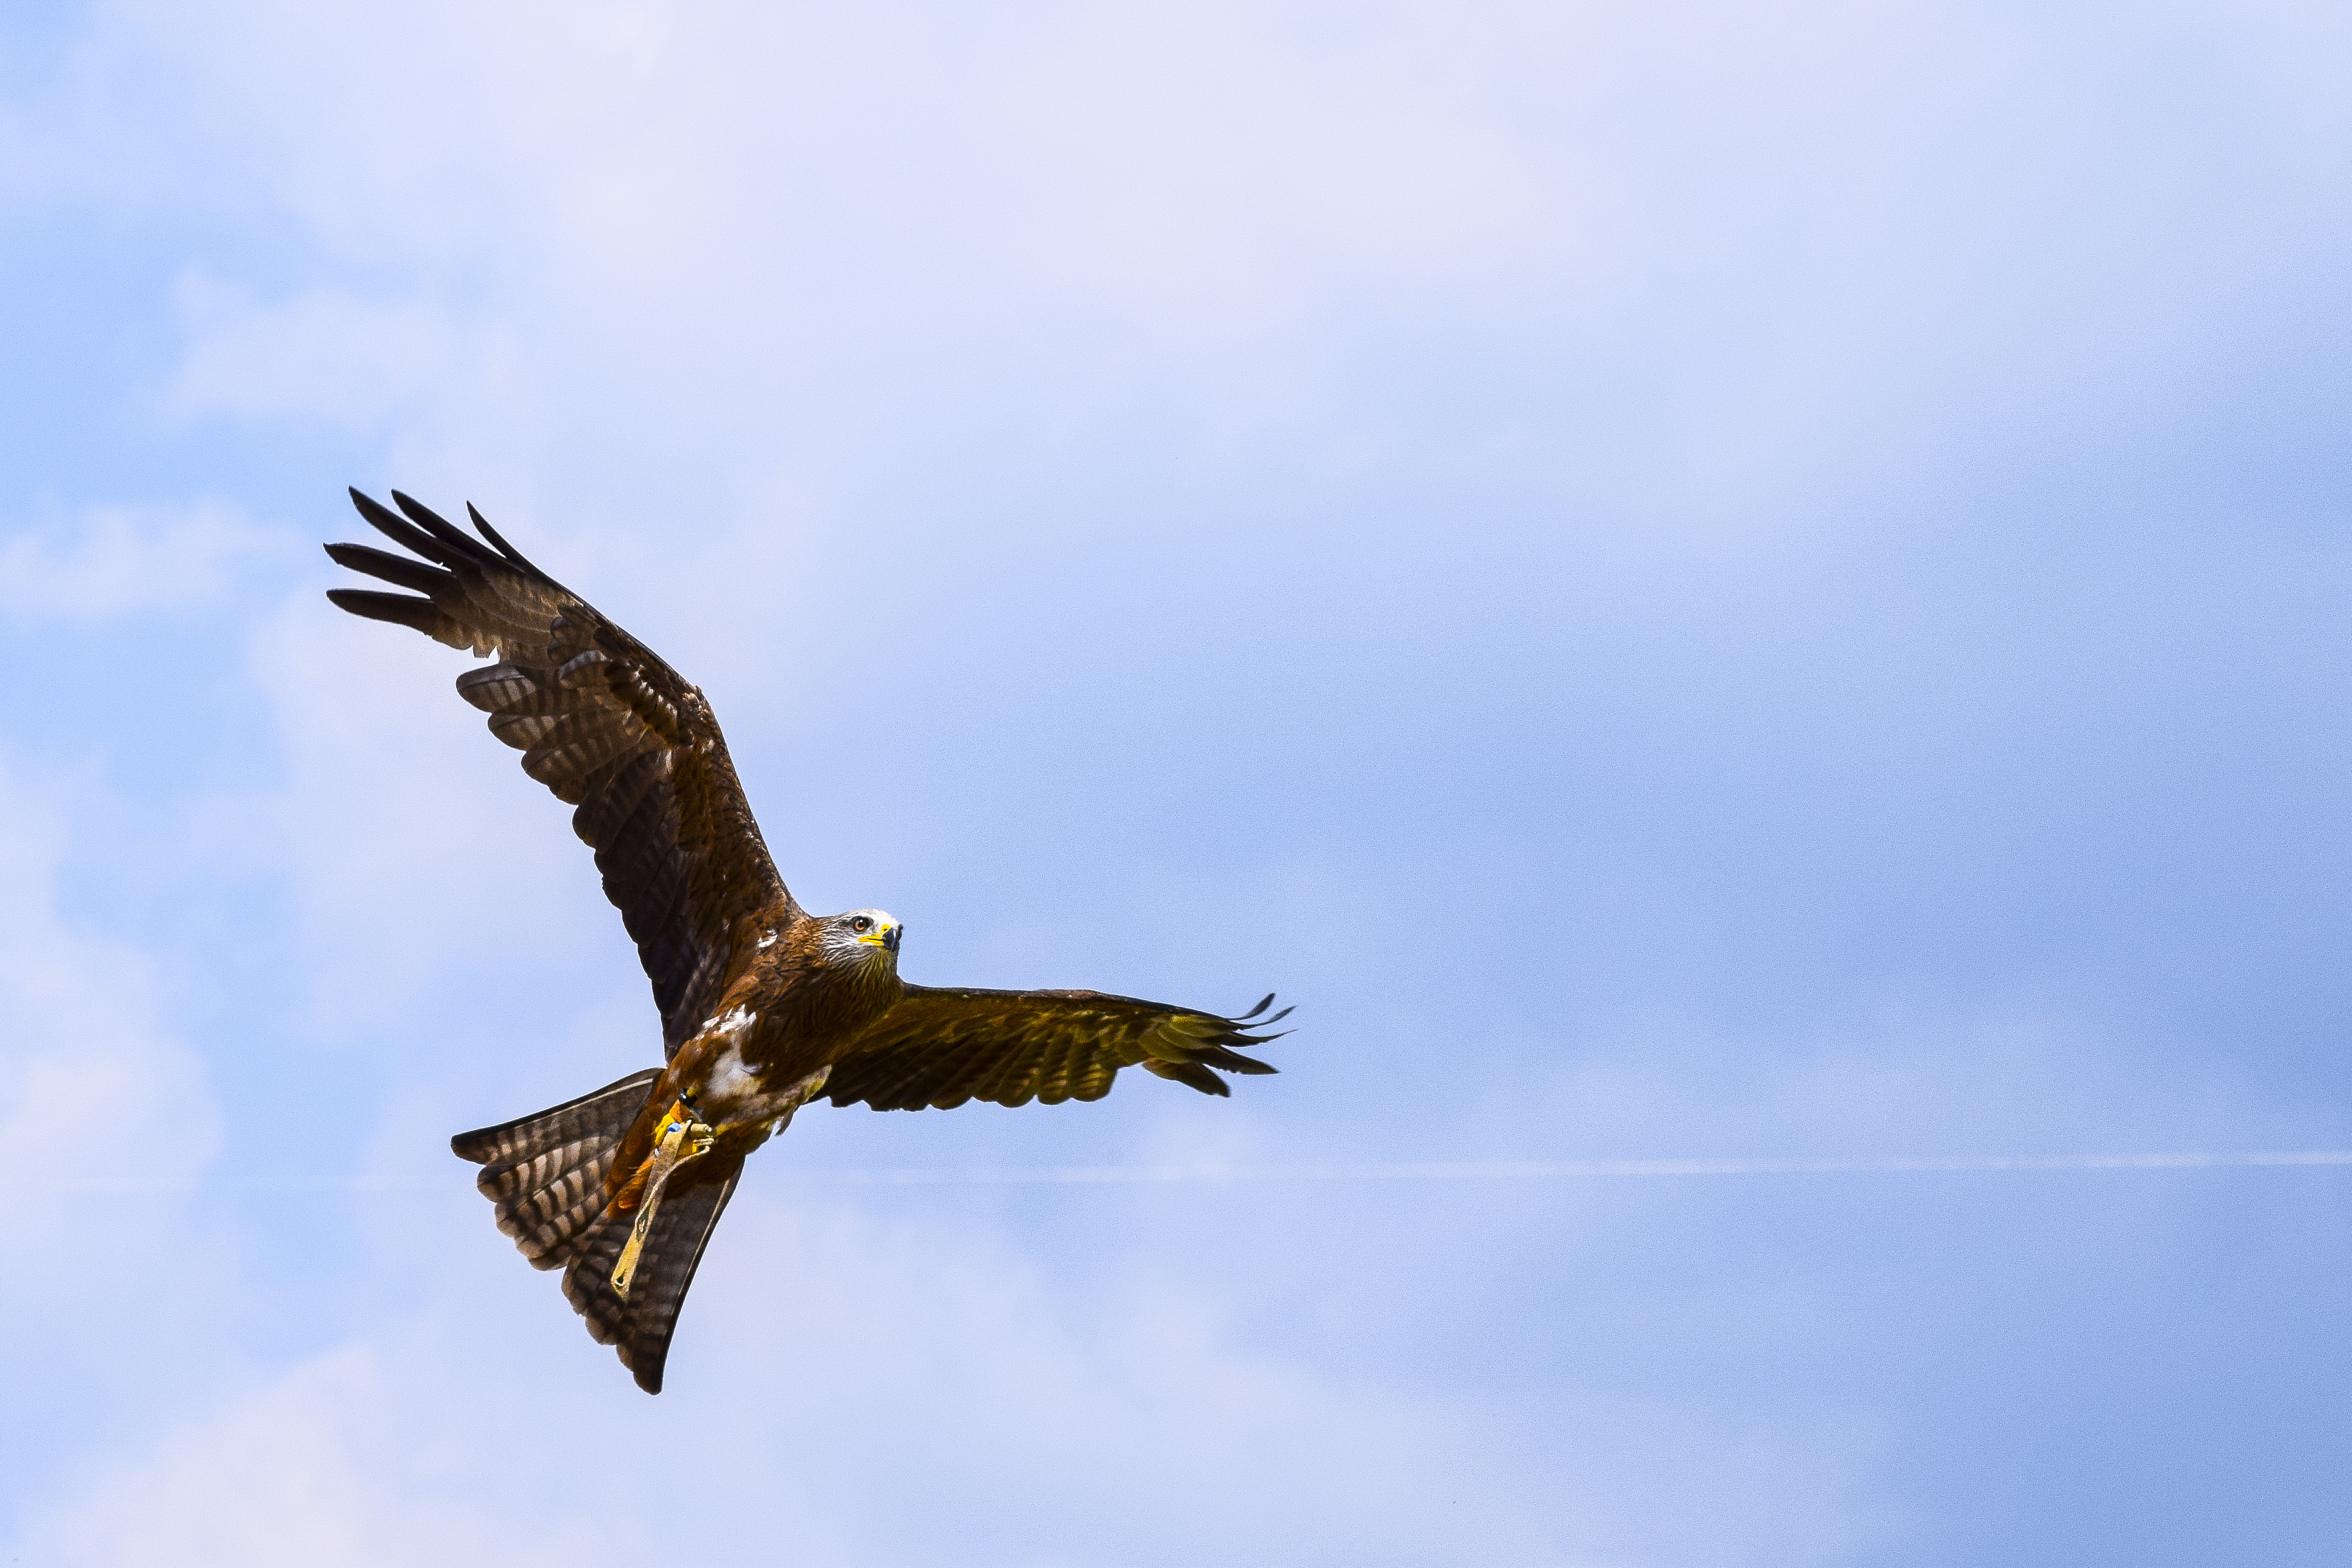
941	1048
608	727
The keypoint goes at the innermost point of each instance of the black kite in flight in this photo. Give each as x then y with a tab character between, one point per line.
764	1006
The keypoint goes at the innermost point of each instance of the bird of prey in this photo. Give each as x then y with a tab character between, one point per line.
764	1006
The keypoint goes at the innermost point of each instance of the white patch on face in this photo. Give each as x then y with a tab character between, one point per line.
880	924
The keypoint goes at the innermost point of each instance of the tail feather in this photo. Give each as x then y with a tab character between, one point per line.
546	1175
546	1224
546	1172
588	1278
662	1279
640	1325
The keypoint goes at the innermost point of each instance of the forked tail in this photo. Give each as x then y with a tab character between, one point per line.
547	1174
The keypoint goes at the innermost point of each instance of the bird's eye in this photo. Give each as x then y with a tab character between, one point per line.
860	924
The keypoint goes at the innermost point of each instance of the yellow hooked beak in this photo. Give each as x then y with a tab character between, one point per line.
885	937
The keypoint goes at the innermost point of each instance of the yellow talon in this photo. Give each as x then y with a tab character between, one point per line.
682	1138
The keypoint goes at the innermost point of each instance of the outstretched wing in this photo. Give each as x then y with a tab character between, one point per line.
605	723
941	1048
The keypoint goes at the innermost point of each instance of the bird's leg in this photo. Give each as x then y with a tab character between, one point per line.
683	1135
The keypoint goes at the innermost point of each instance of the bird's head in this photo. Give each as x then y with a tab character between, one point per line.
863	936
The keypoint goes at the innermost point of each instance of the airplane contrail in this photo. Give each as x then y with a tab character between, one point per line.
1429	1170
1507	1170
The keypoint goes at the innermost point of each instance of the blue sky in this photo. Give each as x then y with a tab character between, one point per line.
1688	581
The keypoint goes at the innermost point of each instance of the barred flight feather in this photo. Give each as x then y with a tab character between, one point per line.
611	813
635	864
500	688
1189	1072
524	730
574	749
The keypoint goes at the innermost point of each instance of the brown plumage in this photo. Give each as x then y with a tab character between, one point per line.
764	1005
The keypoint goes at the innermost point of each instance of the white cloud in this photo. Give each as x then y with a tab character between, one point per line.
110	1118
571	250
334	1465
84	1055
114	560
925	1394
321	355
637	228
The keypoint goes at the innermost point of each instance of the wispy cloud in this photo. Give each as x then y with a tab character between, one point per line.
320	356
105	561
1133	1427
84	1046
